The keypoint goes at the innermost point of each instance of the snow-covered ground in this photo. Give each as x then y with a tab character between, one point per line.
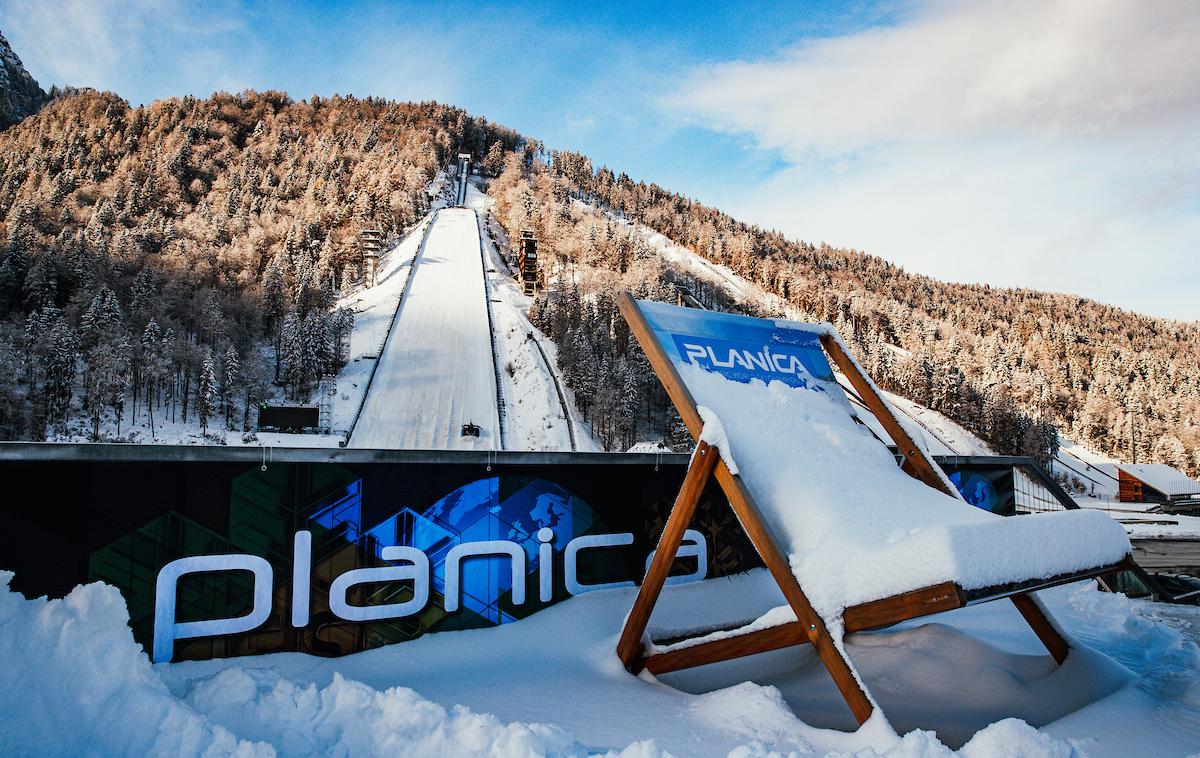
73	682
436	371
940	435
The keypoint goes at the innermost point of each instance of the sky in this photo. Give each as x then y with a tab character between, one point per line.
1052	144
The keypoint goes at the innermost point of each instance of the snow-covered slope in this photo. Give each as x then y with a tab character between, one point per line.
374	313
436	372
1097	473
940	435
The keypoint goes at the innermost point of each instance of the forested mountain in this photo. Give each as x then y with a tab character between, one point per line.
151	253
183	257
20	95
1008	364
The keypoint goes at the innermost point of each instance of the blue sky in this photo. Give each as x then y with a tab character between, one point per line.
1042	143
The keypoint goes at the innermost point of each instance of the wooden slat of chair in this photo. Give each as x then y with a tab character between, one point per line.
916	464
704	459
1037	618
751	643
873	615
909	605
876	614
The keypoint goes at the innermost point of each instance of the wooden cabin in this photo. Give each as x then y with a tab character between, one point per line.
1154	483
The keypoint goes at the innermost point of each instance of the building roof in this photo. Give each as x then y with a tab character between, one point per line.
1167	480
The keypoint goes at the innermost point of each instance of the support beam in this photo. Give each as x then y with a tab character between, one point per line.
704	459
916	463
833	658
873	615
909	605
1031	608
761	641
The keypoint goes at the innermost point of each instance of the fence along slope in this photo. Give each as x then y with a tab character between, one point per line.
821	501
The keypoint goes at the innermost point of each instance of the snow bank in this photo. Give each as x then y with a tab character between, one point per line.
73	682
1010	738
856	527
350	718
1148	639
1154	526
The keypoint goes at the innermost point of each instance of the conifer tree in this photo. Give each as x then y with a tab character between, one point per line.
231	370
207	393
154	367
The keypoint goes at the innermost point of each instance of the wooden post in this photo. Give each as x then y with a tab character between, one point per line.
629	648
915	461
1031	609
834	660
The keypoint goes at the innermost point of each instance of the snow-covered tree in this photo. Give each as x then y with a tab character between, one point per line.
231	372
207	392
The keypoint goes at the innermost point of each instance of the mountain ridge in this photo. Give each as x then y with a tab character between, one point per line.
259	188
20	94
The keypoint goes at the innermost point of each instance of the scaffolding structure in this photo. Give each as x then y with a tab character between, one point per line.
370	242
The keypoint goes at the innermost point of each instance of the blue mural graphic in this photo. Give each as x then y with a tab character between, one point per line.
474	512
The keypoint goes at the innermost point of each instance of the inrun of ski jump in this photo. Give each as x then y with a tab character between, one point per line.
437	372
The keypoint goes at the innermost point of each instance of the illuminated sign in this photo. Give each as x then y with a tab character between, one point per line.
412	565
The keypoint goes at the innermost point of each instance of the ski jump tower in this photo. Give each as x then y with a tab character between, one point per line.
527	262
370	241
464	170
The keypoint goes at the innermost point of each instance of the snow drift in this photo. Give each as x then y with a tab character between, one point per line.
73	682
855	526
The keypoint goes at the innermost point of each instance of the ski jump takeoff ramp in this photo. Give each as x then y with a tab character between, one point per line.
853	541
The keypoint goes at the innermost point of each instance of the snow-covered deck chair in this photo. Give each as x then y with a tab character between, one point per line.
853	541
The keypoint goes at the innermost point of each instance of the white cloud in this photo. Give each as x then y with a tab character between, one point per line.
1046	143
150	49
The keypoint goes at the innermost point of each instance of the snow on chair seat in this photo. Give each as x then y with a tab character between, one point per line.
853	541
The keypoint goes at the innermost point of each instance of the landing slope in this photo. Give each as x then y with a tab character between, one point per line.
436	371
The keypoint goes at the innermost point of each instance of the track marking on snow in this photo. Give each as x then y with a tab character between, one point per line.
487	298
539	414
562	399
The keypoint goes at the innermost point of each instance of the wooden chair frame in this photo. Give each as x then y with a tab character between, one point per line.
809	628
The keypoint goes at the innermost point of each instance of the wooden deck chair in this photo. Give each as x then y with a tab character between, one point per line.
678	339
